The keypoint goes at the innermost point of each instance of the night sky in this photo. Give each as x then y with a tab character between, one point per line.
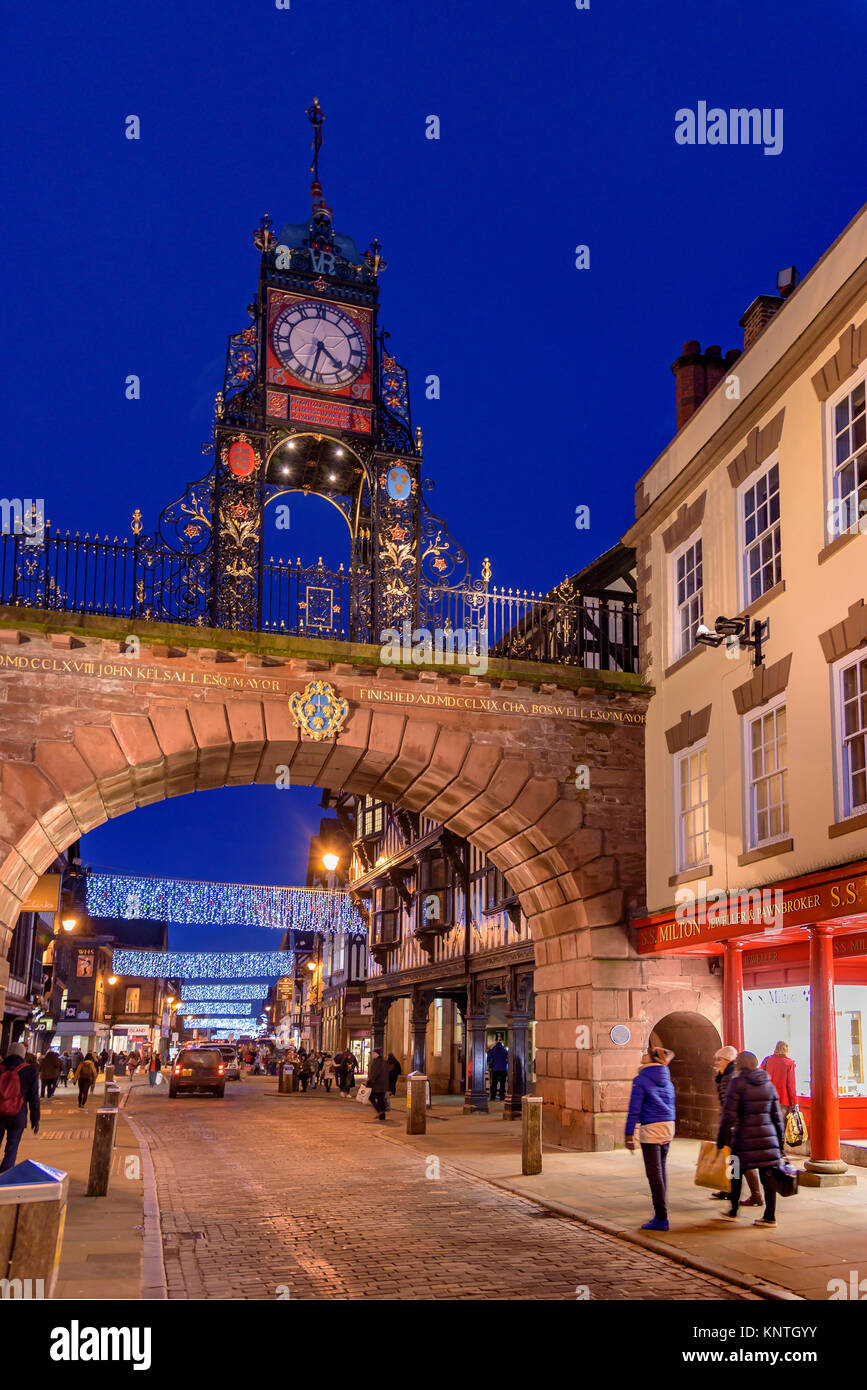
557	129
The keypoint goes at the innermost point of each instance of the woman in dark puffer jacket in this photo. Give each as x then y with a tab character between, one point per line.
752	1124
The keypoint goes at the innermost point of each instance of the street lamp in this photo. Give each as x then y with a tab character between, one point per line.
736	632
330	861
69	923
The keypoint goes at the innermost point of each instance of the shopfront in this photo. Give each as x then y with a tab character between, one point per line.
794	968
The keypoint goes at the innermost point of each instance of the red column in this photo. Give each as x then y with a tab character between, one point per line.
733	996
824	1104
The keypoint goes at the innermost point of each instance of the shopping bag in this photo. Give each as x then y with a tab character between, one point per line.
712	1169
796	1128
785	1179
363	1094
158	1080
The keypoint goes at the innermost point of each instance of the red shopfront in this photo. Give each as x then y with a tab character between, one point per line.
794	955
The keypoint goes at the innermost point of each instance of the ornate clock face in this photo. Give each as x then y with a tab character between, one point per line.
320	344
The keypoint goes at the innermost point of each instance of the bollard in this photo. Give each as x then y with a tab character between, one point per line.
531	1134
112	1097
416	1103
32	1214
286	1082
109	1077
102	1152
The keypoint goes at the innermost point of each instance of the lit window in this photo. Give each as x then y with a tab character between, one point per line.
692	808
689	607
761	535
853	696
849	457
131	1003
438	1026
767	785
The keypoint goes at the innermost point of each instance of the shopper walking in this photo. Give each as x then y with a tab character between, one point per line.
725	1072
49	1072
377	1080
19	1092
65	1066
394	1071
328	1072
752	1125
85	1074
781	1069
498	1067
155	1066
652	1107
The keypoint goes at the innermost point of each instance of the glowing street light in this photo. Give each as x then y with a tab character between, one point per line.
331	861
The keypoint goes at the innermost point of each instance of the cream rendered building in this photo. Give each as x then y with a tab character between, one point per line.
756	774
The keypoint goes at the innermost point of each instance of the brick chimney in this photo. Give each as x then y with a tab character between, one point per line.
696	373
759	314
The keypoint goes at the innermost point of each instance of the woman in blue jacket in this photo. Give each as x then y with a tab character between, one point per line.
651	1106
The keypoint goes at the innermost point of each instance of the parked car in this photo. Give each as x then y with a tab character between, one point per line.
198	1069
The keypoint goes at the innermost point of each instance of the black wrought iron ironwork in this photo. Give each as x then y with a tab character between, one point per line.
146	580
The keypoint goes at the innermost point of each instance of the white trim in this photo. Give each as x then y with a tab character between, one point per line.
680	864
842	811
751	839
673	607
829	461
744	596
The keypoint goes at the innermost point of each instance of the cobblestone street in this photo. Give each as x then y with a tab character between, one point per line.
265	1197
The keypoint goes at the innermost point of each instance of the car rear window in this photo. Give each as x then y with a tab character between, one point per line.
200	1059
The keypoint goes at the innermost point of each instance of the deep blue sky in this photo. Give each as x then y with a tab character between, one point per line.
557	128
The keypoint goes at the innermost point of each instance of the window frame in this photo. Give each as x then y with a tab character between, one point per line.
843	809
678	651
752	841
829	442
694	749
750	482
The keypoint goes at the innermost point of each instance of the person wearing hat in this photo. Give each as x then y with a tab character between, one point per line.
724	1073
651	1106
19	1089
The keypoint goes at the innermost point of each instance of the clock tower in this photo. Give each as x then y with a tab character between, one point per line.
314	402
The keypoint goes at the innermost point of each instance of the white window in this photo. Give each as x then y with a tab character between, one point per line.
848	431
131	1003
693	838
767	777
688	604
438	1026
760	512
852	678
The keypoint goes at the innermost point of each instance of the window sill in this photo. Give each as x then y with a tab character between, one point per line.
767	597
683	660
836	544
766	852
845	827
691	875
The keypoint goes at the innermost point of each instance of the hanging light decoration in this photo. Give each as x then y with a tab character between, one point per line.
218	1006
226	1025
191	902
194	993
204	965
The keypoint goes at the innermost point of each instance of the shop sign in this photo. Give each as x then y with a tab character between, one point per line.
44	896
719	915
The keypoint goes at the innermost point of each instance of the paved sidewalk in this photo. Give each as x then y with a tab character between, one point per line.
102	1238
821	1233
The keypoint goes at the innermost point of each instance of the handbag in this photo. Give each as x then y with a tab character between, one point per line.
713	1167
363	1094
784	1179
158	1079
796	1128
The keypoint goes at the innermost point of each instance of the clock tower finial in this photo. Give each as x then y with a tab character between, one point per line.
316	116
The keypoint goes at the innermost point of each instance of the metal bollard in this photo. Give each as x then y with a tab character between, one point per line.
102	1152
112	1097
531	1134
109	1077
416	1103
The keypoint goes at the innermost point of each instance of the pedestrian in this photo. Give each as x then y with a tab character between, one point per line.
781	1069
394	1071
85	1074
133	1062
498	1066
724	1073
377	1080
65	1065
351	1064
304	1071
120	1064
103	1059
77	1057
49	1072
155	1066
752	1126
327	1072
19	1092
652	1107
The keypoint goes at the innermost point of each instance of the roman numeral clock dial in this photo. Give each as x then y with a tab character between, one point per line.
320	344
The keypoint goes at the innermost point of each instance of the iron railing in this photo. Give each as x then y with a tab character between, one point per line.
146	581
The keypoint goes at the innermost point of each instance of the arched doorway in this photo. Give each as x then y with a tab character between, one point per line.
693	1040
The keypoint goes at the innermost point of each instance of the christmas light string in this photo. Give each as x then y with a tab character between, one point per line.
217	1006
192	902
193	993
204	965
248	1026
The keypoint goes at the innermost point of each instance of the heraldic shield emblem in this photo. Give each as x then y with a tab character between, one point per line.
319	711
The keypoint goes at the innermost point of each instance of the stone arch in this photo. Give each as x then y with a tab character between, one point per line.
89	733
694	1040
